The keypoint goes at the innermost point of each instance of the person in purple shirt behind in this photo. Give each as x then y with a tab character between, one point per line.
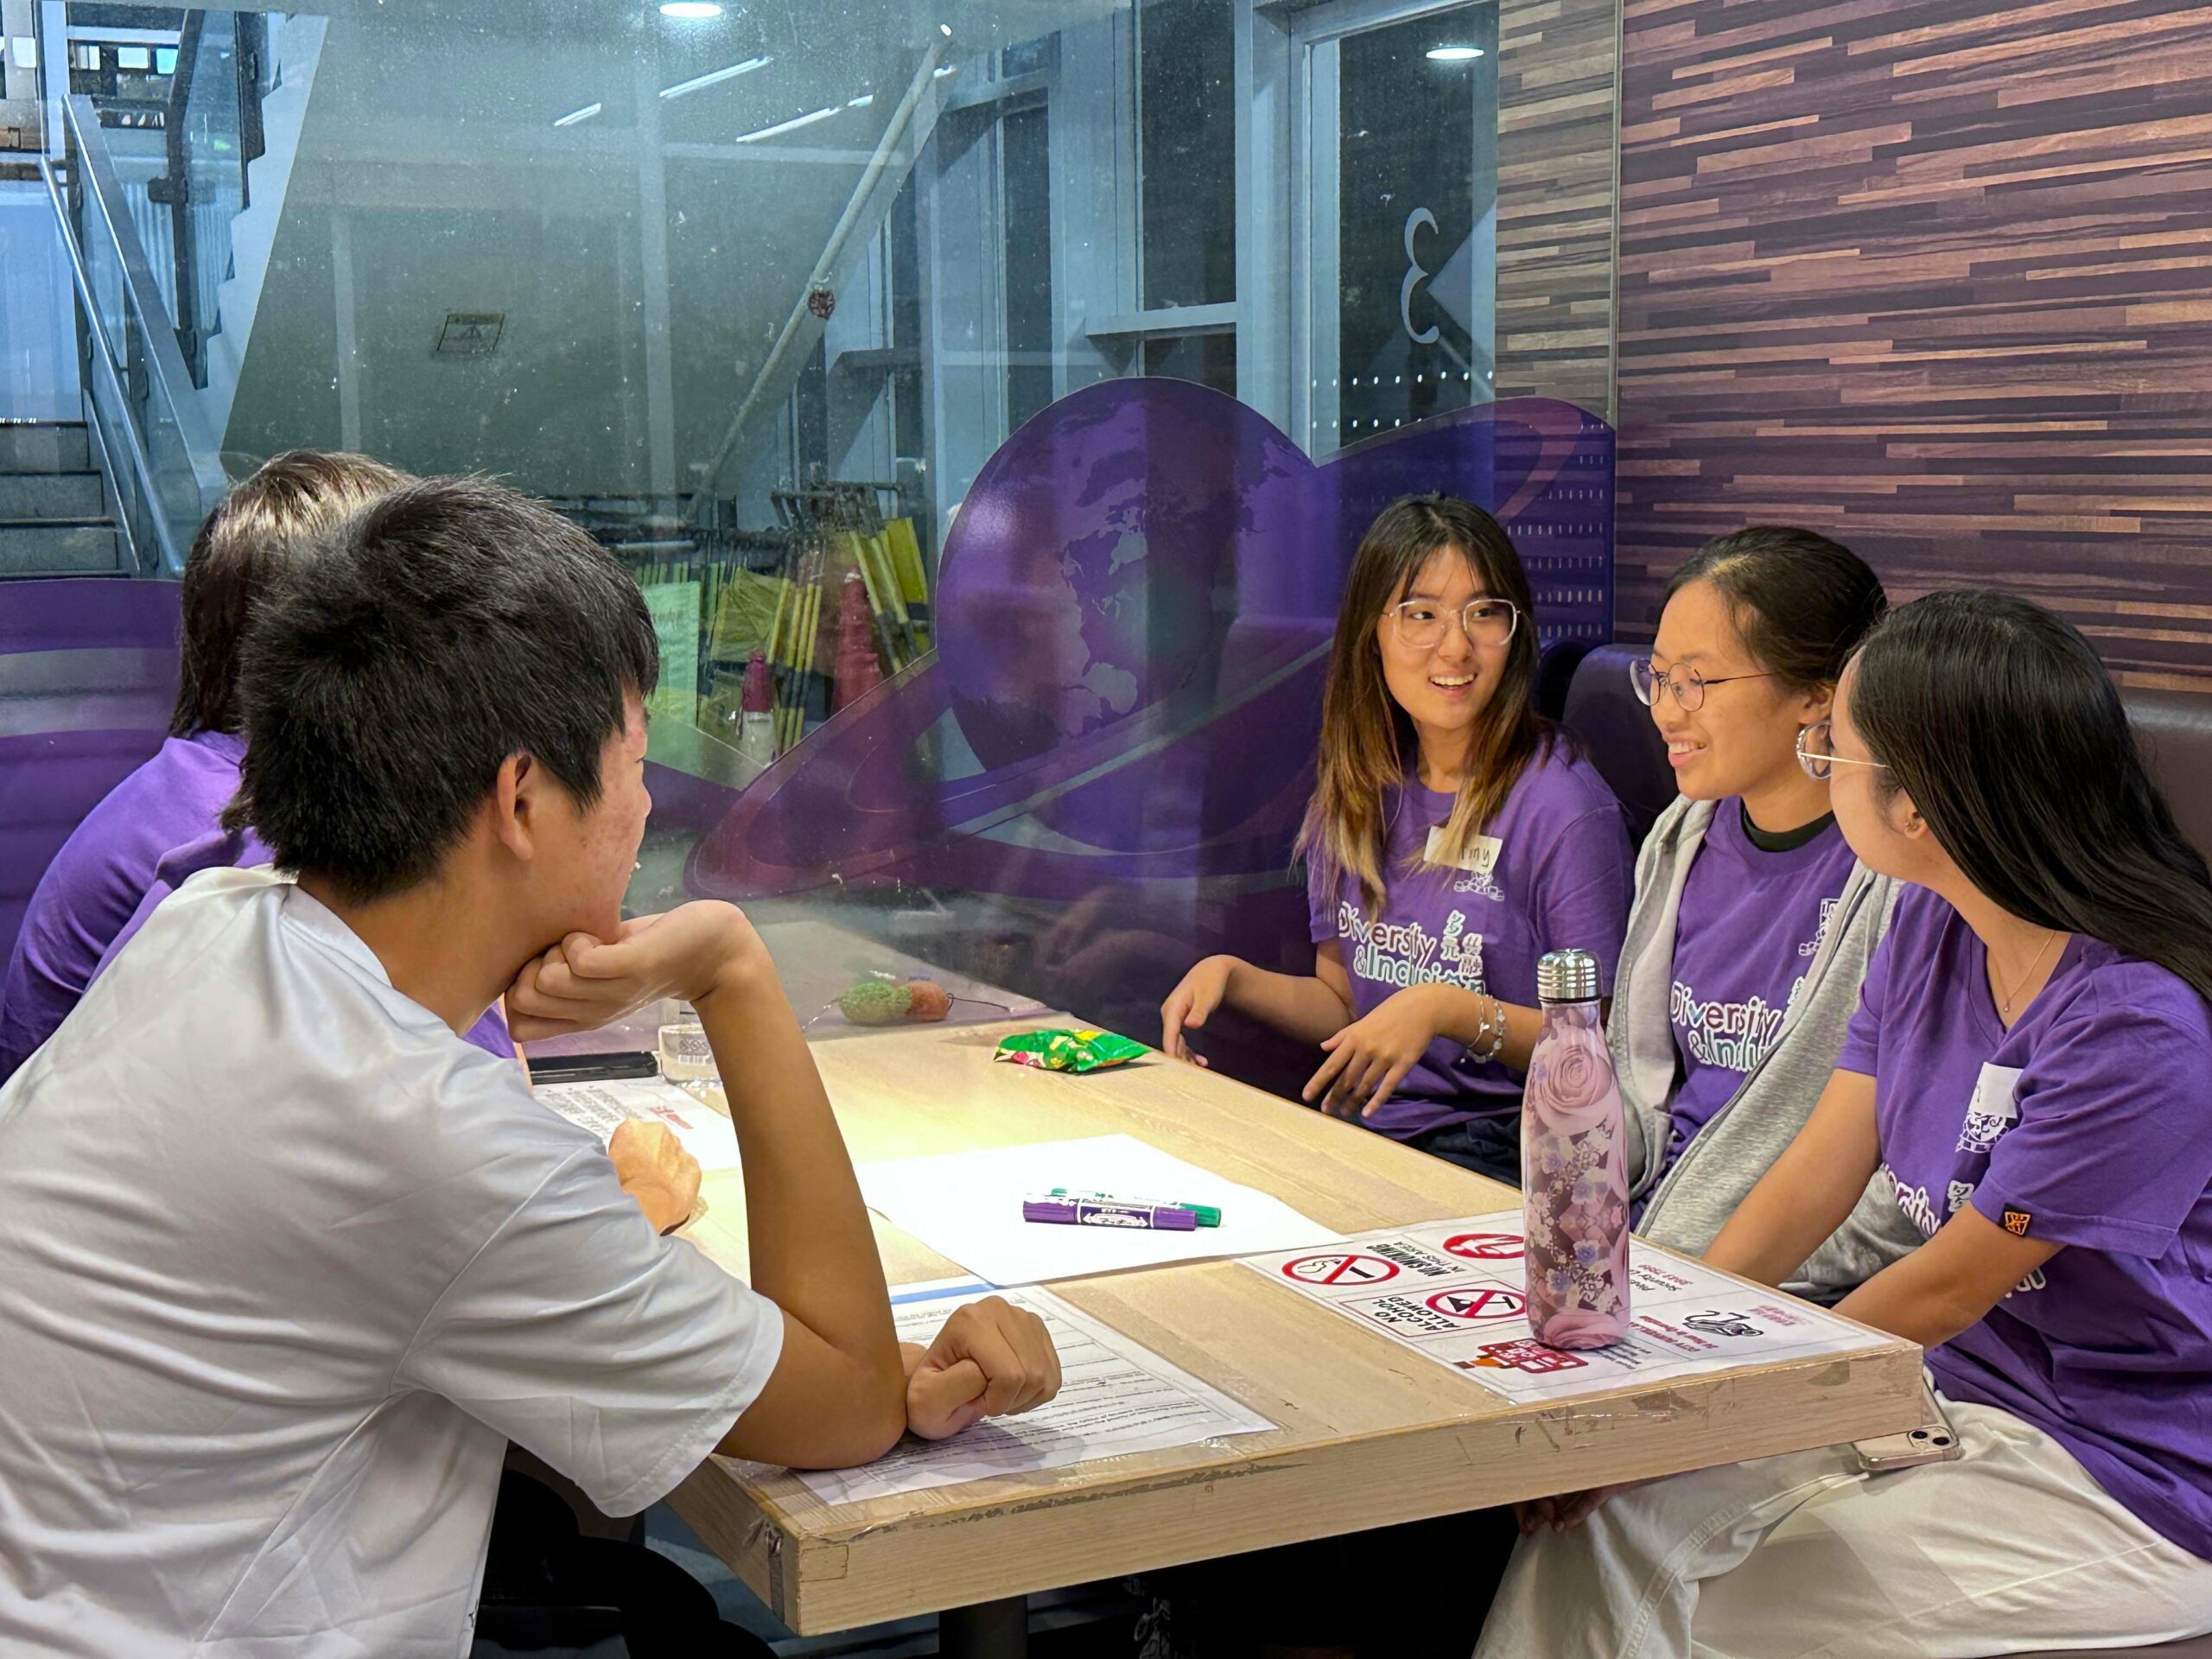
1454	837
2028	1063
87	903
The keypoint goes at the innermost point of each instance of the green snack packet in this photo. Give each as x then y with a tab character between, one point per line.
876	1002
1068	1050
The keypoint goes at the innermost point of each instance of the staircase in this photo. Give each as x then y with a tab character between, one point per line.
53	518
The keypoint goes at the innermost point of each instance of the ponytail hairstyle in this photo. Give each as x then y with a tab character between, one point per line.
1367	740
1997	719
1800	602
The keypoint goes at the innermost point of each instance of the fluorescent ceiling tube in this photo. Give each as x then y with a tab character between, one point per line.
690	8
574	116
1453	53
786	126
715	75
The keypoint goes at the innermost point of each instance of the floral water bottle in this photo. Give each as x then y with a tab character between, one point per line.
1573	1166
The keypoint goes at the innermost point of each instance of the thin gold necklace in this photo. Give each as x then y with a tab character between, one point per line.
2004	1000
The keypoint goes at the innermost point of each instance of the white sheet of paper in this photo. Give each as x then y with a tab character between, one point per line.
603	1107
1116	1397
1451	1292
967	1207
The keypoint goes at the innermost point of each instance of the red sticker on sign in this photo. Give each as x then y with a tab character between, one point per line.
1340	1269
1485	1247
1487	1302
1526	1354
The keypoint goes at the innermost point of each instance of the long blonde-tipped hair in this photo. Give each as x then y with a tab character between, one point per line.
1367	740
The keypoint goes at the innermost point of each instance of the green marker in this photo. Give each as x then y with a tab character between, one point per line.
1208	1215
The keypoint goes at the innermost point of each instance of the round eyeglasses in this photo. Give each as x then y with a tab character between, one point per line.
1687	684
1816	752
1421	624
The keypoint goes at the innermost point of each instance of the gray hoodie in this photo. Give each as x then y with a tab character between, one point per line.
1685	1208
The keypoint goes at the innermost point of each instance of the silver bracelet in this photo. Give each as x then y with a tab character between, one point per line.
1489	1033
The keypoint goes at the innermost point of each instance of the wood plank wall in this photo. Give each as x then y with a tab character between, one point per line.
1934	277
1558	62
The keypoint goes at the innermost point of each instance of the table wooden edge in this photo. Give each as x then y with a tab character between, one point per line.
829	1578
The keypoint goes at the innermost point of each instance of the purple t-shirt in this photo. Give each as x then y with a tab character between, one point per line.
154	829
1551	872
95	881
2088	1124
1749	925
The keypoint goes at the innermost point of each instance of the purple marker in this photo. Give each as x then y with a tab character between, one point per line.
1105	1212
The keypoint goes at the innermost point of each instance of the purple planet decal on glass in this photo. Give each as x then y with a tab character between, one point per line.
1133	618
1098	775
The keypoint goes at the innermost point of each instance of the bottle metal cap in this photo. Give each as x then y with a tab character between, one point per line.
1567	976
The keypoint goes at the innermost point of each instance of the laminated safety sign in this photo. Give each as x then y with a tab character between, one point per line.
1452	1290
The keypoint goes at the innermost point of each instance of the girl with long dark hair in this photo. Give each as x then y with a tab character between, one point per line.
2029	1064
1453	837
1753	921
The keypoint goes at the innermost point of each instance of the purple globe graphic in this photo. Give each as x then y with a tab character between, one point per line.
1133	615
1102	558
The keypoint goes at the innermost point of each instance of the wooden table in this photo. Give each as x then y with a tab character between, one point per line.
1370	1434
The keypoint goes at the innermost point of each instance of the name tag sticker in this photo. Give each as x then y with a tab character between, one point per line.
1993	1108
1994	1093
1481	856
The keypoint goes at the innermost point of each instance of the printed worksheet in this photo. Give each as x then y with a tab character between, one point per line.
1116	1397
1451	1292
603	1107
967	1207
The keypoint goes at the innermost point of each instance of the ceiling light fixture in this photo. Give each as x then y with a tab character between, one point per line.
1453	53
690	9
712	76
787	126
574	116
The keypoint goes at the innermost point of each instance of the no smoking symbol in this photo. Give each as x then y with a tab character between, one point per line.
1340	1269
1478	1305
1485	1247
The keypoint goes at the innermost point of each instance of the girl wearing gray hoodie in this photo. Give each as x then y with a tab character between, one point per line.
1752	922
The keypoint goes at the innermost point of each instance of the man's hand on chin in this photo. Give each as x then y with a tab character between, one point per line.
584	982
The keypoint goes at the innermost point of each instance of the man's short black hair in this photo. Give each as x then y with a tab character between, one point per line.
386	679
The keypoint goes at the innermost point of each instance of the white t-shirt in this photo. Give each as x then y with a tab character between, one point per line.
283	1266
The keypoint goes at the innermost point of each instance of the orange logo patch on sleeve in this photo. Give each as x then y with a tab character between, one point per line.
2015	1223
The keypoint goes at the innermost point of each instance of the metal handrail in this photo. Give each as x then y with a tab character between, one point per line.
141	468
178	198
98	427
167	360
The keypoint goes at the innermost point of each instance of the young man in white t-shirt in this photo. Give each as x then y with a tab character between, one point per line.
285	1264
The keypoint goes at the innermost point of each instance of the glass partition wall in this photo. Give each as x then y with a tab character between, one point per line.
987	395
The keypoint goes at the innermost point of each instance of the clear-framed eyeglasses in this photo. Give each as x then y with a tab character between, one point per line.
1816	752
1687	684
1421	624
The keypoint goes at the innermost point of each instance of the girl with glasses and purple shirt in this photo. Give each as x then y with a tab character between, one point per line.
1753	921
1453	837
2028	1067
